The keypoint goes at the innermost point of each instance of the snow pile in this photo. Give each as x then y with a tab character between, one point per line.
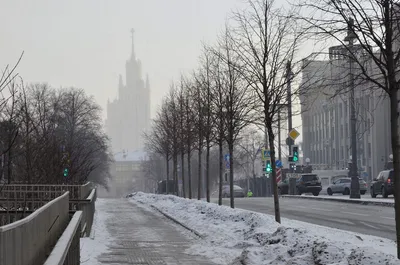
96	244
244	237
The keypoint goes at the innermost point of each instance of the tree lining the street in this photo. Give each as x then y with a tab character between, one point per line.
242	80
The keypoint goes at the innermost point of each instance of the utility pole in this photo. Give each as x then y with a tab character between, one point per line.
289	102
279	136
355	183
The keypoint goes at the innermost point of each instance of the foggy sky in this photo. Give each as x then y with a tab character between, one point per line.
85	43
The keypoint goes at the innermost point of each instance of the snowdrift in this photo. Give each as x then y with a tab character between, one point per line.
235	236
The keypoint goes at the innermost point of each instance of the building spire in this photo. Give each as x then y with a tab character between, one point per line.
133	44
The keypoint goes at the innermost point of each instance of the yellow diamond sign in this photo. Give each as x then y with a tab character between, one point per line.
294	134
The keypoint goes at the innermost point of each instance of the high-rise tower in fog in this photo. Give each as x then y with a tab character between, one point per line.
128	116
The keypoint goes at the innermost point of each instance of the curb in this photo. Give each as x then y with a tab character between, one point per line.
177	222
355	201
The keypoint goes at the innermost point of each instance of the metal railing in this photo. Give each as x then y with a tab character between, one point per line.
19	200
33	225
88	208
43	192
67	249
31	239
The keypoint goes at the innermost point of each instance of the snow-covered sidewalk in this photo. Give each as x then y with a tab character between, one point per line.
255	238
126	233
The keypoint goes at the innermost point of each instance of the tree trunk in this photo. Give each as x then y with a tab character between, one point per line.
232	195
183	173
189	172
200	175
221	171
166	185
175	171
394	116
208	170
271	139
254	179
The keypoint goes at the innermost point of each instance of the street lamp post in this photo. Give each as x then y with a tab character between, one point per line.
355	183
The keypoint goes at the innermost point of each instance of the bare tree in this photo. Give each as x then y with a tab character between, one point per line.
182	132
189	129
239	101
266	41
249	150
173	116
374	26
158	141
206	86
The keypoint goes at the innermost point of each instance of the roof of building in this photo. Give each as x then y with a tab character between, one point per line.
137	155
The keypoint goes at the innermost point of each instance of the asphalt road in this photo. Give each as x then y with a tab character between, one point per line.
365	219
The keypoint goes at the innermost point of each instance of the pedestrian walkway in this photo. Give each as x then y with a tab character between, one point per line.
144	237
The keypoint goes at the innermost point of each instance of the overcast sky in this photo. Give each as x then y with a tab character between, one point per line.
85	43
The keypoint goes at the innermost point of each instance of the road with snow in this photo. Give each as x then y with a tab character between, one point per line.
365	219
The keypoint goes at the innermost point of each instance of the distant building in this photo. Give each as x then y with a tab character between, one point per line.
127	174
128	116
326	119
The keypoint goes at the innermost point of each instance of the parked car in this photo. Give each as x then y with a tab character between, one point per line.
342	185
305	183
237	191
383	184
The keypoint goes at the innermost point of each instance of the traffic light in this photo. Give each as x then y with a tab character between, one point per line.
66	171
268	167
295	153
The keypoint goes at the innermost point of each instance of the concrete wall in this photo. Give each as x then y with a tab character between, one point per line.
30	240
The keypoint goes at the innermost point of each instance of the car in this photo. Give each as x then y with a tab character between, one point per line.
383	184
237	191
305	183
342	185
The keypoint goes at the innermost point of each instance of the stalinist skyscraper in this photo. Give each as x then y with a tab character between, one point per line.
128	116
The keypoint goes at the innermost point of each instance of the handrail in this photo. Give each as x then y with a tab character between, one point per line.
91	195
32	215
62	248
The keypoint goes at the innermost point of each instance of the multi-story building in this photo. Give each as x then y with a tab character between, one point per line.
326	117
127	174
128	116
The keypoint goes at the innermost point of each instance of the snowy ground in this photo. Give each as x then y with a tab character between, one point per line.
96	244
254	238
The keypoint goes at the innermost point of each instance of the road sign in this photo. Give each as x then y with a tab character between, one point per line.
278	175
227	162
266	154
294	134
278	163
226	157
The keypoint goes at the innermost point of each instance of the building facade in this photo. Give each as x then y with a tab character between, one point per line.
127	174
128	116
326	117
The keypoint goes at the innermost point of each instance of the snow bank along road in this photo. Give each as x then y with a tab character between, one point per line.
236	236
366	219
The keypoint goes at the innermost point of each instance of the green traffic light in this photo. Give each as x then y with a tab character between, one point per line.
65	172
295	157
269	169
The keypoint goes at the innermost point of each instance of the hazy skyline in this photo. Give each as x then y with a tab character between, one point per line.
86	43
